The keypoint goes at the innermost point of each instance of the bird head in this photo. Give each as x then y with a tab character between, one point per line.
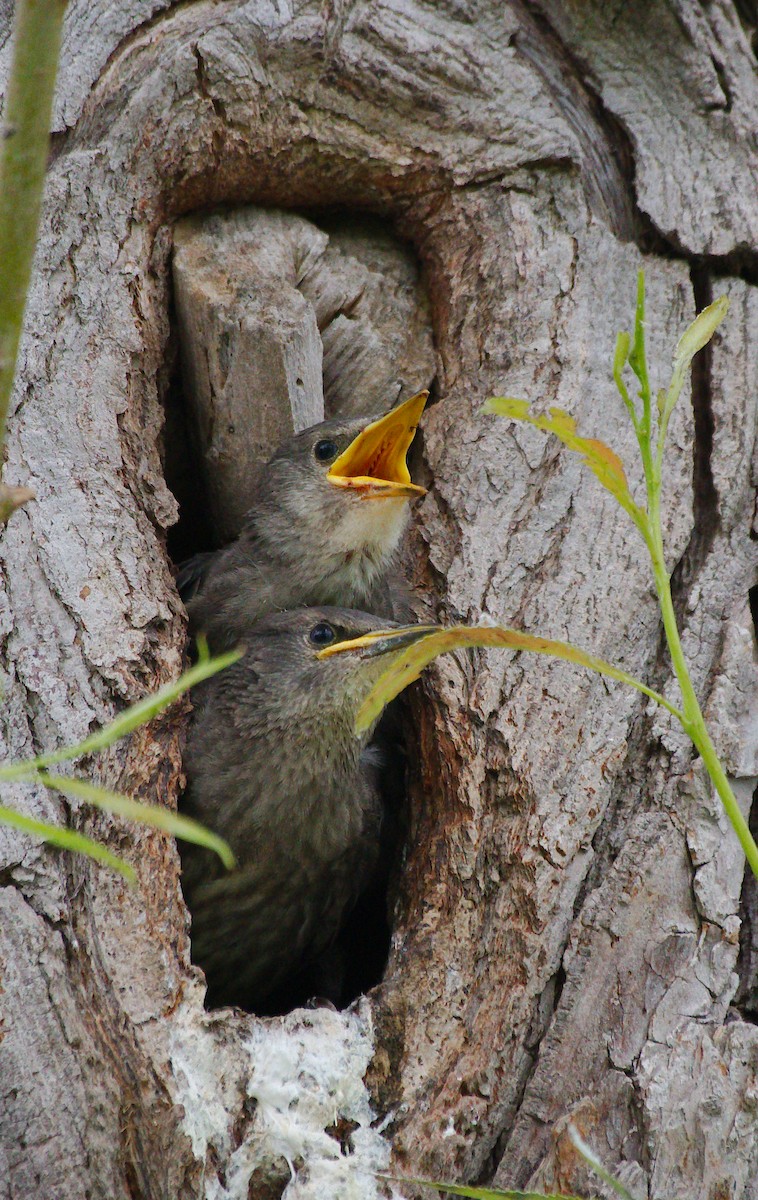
342	486
372	465
306	672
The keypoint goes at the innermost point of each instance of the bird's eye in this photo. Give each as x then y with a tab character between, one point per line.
325	449
322	634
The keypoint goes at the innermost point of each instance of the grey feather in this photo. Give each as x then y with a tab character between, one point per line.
275	767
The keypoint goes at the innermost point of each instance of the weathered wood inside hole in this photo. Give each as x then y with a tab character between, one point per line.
282	323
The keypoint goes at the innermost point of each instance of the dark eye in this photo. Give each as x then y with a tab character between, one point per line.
324	450
322	634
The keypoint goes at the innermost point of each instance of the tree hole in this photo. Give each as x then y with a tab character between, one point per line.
279	323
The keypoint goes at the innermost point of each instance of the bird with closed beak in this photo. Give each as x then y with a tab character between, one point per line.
328	512
274	766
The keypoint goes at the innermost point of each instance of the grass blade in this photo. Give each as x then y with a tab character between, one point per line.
593	1161
408	666
147	814
24	141
66	839
127	721
480	1193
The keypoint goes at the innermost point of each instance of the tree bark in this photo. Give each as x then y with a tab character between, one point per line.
566	943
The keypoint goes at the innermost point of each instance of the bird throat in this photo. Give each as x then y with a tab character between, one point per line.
359	558
342	564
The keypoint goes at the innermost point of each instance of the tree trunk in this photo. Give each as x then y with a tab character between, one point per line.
567	930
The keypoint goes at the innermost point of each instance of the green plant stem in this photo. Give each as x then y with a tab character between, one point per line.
692	717
23	156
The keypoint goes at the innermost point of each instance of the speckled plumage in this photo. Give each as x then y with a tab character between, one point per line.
274	766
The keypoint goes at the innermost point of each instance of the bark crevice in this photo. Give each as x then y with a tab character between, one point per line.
746	998
565	936
607	159
705	500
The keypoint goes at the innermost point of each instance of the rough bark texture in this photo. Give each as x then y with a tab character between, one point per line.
568	918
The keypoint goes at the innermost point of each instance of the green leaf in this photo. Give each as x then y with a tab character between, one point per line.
66	839
24	145
621	354
700	332
605	465
409	664
695	337
147	814
479	1193
127	721
638	359
593	1161
620	359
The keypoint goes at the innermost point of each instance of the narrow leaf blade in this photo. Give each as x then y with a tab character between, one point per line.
620	359
66	839
637	356
702	329
146	814
144	710
604	463
127	721
621	353
593	1161
479	1193
408	665
695	337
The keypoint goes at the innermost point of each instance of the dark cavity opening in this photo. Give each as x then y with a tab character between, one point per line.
746	999
258	297
753	598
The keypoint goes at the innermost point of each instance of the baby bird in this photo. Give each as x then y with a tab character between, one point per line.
275	767
328	513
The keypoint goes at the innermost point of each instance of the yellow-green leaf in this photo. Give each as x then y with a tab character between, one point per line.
695	337
408	666
147	814
620	359
700	332
127	721
604	463
65	839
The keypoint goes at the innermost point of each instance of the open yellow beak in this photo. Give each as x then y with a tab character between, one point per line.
380	641
374	463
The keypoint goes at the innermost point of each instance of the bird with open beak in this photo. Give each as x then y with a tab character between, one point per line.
328	513
274	766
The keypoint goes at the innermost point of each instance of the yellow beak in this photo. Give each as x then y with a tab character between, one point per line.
374	463
381	641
